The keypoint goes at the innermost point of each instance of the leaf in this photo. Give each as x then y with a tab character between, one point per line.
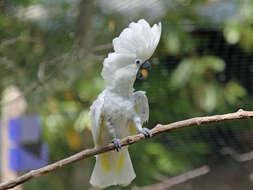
69	107
166	161
232	33
214	63
207	98
74	140
83	121
183	73
234	91
172	43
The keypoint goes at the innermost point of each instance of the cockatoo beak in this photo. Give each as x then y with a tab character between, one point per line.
143	70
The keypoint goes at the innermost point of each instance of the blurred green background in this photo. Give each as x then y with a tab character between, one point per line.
53	51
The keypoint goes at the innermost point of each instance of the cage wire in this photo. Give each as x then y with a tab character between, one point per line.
230	160
229	164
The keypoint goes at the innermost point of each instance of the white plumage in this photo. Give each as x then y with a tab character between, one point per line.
118	110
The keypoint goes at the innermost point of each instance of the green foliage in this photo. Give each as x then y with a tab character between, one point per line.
177	41
165	161
182	74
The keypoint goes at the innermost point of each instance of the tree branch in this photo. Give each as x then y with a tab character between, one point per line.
169	182
63	60
240	114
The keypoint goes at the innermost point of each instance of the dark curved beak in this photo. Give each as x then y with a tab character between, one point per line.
143	70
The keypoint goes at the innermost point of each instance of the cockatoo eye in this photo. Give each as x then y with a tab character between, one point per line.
138	61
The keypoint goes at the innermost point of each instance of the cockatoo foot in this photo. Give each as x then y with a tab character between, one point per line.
146	132
116	143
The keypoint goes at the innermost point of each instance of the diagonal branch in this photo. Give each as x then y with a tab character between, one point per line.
240	114
169	182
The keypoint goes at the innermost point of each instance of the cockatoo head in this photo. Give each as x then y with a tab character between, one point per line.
133	48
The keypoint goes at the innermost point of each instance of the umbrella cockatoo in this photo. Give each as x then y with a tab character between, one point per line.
119	111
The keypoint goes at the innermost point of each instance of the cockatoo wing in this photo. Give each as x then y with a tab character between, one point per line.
111	168
141	105
96	117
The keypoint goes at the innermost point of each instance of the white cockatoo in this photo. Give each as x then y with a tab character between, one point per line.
118	110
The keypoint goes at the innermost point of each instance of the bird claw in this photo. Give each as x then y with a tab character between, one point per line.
146	132
116	143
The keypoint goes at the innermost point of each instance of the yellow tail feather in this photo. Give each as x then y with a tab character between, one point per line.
120	162
104	162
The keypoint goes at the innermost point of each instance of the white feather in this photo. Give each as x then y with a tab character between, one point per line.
138	39
114	111
141	102
104	177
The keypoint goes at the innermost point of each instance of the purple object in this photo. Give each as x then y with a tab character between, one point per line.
25	151
22	160
25	129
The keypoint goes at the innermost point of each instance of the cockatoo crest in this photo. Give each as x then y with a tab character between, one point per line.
138	41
